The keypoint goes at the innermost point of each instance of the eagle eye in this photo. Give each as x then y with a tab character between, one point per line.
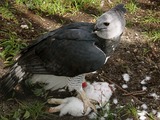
106	23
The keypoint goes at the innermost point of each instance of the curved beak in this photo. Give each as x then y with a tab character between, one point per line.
96	29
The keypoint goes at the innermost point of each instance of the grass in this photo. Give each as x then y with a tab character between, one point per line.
59	6
6	12
105	113
26	111
150	19
36	109
154	35
10	47
119	113
131	6
131	110
127	111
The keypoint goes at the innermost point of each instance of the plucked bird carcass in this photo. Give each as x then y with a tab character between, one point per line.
99	92
64	56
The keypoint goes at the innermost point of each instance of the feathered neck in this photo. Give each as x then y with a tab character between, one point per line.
108	45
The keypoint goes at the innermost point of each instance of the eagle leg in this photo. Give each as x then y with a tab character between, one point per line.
86	101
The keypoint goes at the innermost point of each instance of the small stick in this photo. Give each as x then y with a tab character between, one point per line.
135	93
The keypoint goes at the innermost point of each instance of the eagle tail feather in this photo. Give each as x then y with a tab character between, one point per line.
11	79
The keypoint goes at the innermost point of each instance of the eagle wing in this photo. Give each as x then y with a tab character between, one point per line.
68	51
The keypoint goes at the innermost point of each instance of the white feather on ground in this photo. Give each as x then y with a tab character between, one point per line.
126	77
99	91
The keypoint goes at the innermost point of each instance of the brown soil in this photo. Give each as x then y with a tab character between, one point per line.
135	55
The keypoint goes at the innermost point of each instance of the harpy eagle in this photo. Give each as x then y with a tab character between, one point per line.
64	56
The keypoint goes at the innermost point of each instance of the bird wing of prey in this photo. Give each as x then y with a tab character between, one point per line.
67	51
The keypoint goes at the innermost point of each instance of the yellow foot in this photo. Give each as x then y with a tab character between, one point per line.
87	103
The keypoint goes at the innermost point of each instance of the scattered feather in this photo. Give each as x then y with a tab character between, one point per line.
126	77
24	26
144	88
144	81
148	78
102	118
106	115
132	100
142	114
115	101
119	106
154	95
92	115
158	114
144	106
124	86
154	111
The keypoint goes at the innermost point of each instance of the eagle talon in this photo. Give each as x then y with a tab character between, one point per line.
93	101
87	103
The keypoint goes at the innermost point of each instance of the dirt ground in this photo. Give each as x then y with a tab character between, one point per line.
135	56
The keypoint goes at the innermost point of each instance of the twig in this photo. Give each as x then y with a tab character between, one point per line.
104	77
135	93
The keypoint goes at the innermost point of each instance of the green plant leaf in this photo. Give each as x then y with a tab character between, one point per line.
26	115
17	114
4	118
